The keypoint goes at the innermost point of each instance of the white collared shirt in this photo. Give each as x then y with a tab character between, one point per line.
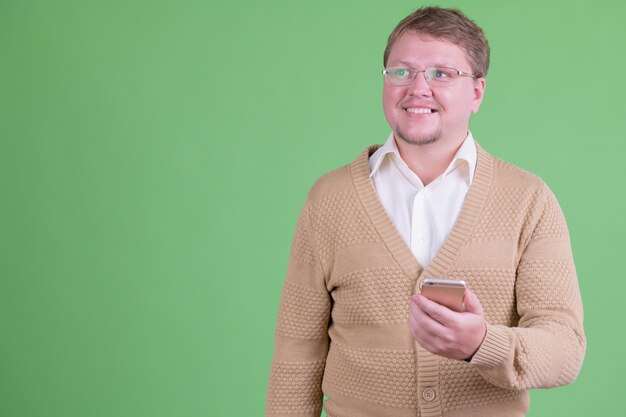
424	216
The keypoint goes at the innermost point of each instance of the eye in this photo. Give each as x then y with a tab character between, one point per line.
400	73
441	74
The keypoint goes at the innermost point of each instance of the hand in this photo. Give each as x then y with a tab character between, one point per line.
447	333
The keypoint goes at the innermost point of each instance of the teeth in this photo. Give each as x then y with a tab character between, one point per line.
419	110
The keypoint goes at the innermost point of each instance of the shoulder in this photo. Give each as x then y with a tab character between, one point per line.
511	179
528	193
516	187
508	175
337	180
341	180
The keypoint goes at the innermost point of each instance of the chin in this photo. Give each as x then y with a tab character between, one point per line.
418	139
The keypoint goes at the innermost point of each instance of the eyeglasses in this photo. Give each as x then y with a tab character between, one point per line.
435	76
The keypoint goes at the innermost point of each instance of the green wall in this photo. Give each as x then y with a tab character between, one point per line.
154	157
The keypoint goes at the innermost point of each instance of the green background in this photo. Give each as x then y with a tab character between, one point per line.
155	155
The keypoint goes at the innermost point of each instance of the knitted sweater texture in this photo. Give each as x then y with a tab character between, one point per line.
342	326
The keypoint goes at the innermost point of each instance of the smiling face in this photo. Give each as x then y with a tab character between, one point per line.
420	114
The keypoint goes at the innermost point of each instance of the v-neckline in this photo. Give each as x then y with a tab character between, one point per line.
460	234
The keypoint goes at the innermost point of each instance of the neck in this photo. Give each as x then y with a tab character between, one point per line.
431	160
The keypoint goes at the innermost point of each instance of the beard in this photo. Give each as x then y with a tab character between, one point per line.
418	140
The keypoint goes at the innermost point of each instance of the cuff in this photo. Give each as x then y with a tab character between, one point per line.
494	349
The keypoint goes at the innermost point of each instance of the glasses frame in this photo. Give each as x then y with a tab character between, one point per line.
428	79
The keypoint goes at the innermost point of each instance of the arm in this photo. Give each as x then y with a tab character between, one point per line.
301	337
547	347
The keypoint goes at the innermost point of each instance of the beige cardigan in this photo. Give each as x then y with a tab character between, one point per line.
342	324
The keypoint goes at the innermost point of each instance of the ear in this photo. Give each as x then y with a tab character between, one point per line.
479	92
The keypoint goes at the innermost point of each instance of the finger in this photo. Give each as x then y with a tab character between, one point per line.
425	340
472	303
419	336
416	330
424	324
436	311
417	313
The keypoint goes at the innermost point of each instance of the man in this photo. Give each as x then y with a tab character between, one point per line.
430	202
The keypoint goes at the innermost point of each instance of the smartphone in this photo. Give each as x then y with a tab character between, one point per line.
447	292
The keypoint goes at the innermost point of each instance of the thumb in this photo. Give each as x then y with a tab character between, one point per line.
472	303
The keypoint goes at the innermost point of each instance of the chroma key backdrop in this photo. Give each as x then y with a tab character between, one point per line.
155	155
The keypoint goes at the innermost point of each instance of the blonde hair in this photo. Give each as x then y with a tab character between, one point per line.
450	25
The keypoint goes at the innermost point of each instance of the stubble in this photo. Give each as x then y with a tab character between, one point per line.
419	141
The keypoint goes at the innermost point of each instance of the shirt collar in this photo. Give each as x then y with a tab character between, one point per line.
466	153
388	148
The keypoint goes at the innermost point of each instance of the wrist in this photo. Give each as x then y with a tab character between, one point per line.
480	340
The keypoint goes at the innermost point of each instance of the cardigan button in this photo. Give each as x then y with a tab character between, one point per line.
428	394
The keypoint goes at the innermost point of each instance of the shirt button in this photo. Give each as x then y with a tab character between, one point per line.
428	394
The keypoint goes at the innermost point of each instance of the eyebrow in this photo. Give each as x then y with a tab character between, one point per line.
408	64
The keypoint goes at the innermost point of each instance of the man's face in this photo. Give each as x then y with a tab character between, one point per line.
451	105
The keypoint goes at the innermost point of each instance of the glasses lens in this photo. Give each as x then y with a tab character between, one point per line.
441	75
433	75
399	75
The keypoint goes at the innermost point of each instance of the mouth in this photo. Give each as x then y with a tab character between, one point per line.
419	110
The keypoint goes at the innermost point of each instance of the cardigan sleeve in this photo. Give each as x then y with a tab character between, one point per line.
547	347
301	336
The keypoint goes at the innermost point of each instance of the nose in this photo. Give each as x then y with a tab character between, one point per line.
419	86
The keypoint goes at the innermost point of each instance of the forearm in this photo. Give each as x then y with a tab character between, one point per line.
547	354
300	348
547	346
301	337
